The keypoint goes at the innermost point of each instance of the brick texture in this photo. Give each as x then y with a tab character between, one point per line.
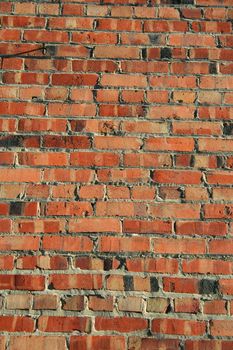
116	159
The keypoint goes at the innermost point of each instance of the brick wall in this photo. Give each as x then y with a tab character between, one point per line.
116	175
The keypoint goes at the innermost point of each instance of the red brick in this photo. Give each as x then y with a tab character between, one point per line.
156	226
151	343
96	10
147	159
76	281
119	24
70	23
143	193
72	9
161	265
63	324
25	8
207	266
37	342
39	225
208	344
120	324
48	36
194	128
124	80
94	159
180	285
22	282
68	175
43	159
72	244
146	67
94	225
69	208
121	192
72	142
177	177
74	303
94	66
165	26
226	286
201	228
16	324
173	211
98	303
116	244
178	246
19	175
215	307
221	328
129	175
169	144
19	243
179	327
61	109
187	305
215	145
221	246
37	124
117	142
50	9
45	302
74	79
18	302
105	342
220	211
88	263
116	52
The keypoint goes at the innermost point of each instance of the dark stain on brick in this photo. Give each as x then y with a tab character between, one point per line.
208	286
154	38
16	208
144	53
11	141
80	125
220	161
154	285
213	68
165	53
228	129
51	50
128	283
107	264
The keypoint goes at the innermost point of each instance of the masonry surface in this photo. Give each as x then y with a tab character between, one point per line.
116	196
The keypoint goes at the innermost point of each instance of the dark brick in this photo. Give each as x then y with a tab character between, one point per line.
11	141
107	264
128	283
51	50
78	125
213	68
144	54
154	285
16	208
154	38
220	161
165	53
228	129
208	287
